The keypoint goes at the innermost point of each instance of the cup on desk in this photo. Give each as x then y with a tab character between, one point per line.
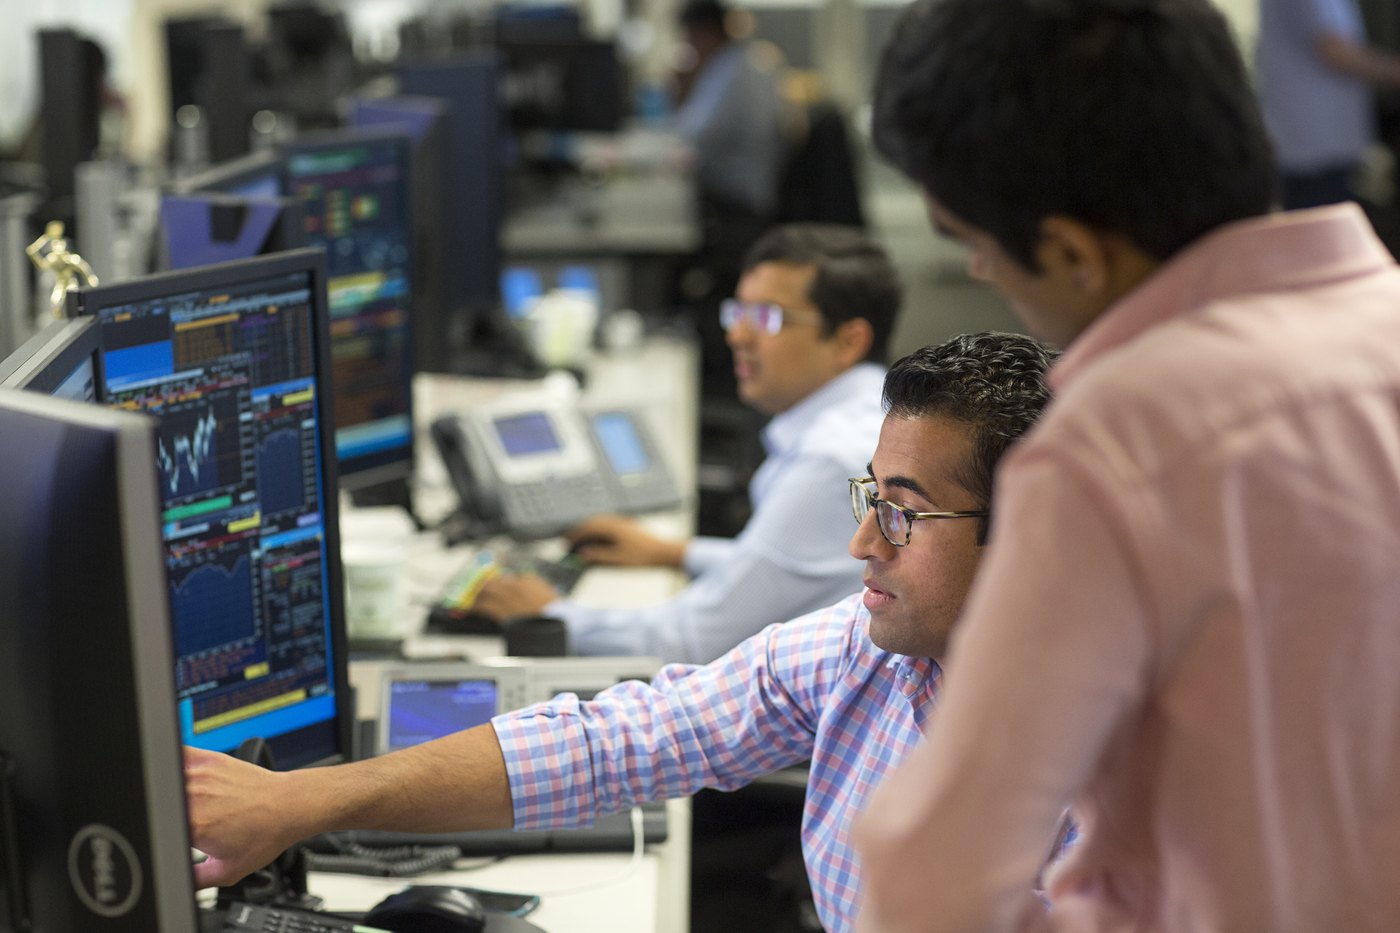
561	326
374	552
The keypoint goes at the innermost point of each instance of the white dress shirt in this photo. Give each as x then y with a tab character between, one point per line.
791	556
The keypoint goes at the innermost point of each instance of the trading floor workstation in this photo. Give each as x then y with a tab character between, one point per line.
319	343
233	361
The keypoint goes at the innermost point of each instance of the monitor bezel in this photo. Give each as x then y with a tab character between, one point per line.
312	263
373	469
219	177
44	361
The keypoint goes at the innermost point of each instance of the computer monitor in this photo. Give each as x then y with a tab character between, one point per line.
353	186
424	120
473	201
257	175
62	360
574	85
205	228
234	362
428	700
233	210
209	66
92	815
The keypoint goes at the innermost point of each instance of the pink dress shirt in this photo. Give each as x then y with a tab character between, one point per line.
1188	623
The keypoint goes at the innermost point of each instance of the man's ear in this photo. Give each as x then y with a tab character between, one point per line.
853	338
1075	252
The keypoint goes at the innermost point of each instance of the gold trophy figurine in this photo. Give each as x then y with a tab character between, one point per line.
50	253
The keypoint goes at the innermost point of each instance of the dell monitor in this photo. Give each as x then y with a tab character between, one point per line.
233	361
92	816
353	187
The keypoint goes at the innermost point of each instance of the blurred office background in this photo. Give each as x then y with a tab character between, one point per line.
832	46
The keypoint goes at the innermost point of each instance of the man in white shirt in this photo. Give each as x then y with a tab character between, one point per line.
808	328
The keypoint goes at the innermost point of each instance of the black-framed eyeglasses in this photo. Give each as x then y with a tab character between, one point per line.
762	315
895	521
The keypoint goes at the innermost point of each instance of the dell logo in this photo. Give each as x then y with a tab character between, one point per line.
104	870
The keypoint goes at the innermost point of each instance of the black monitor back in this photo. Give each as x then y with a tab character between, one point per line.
472	197
209	66
92	815
573	85
71	71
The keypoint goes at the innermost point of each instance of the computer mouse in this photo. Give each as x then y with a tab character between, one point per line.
428	908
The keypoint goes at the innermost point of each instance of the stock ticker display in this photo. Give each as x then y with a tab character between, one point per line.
231	377
354	197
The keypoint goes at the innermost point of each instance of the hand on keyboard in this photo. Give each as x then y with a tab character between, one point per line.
515	594
458	612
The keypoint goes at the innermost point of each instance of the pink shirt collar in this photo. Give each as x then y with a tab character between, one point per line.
1274	253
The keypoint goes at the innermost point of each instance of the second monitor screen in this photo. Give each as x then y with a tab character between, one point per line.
231	373
355	202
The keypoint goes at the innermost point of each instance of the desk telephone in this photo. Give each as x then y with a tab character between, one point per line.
534	465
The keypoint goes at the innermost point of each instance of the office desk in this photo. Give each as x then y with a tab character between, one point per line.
592	893
609	894
630	213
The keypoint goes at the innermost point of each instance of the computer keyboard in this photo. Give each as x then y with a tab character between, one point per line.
254	918
454	613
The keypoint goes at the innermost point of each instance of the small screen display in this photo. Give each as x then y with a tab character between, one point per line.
531	433
422	710
624	448
80	385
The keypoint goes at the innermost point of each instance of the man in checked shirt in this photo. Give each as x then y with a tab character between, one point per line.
849	687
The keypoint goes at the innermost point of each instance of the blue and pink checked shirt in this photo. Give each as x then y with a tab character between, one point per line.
815	688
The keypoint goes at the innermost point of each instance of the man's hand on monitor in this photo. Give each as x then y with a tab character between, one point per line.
238	816
615	539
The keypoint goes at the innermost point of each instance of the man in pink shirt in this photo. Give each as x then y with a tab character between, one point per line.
1188	624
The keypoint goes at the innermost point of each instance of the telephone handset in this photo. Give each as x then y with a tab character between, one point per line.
535	465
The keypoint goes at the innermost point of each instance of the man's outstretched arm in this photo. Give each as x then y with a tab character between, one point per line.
244	816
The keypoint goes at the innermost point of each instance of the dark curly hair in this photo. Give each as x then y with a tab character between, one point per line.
992	382
1134	116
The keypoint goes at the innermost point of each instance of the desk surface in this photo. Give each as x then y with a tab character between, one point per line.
594	893
637	198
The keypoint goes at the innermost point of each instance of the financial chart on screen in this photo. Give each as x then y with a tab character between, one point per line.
354	195
230	372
